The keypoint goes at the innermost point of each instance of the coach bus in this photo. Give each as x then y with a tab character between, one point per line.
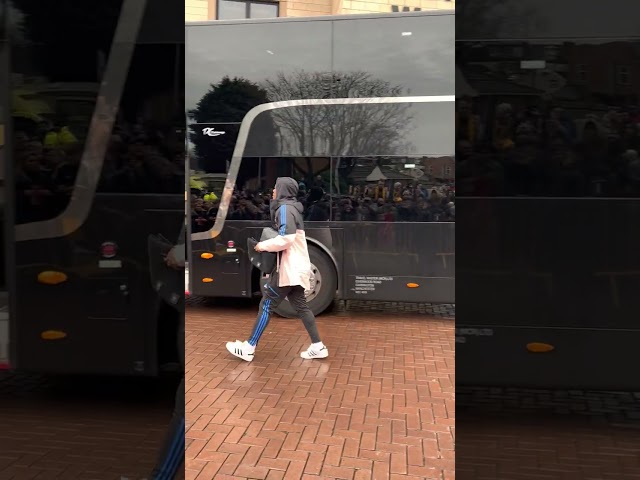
93	164
548	188
359	110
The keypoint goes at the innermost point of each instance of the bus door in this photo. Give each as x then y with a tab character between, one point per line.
217	265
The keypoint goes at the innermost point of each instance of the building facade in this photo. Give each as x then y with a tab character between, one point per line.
203	10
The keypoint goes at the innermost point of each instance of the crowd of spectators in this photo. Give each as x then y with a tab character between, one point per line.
139	158
372	202
46	161
512	150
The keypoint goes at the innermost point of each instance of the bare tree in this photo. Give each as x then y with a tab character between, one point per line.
330	130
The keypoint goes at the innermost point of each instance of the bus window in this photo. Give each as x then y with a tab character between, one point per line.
398	53
47	154
567	125
53	90
54	98
325	128
393	189
217	101
236	77
211	144
382	126
254	186
146	149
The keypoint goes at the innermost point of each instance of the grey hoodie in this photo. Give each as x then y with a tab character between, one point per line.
287	194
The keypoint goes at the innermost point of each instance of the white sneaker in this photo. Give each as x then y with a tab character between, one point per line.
315	351
241	350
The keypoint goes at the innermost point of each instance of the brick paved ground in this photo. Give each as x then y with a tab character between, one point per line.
85	429
526	434
382	406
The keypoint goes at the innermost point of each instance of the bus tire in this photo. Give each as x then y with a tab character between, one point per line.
326	285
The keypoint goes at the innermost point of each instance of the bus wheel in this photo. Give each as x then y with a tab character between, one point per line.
324	283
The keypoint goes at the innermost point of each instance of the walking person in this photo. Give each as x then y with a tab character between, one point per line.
291	276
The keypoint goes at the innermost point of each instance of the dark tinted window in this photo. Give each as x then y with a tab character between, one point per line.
53	97
222	87
393	189
146	152
548	118
4	108
547	122
211	145
538	19
411	55
397	57
248	54
354	130
254	188
55	84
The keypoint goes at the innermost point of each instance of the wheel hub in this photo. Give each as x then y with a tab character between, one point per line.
315	282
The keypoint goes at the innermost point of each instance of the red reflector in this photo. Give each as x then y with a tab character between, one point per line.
108	249
4	366
231	244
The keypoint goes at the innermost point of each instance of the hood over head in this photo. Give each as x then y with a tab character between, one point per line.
286	188
286	193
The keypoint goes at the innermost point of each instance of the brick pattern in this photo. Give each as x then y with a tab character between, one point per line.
348	307
84	429
553	448
523	434
382	406
608	407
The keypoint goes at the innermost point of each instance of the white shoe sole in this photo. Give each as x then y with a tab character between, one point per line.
231	347
323	354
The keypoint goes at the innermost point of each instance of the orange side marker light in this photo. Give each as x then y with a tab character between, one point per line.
537	347
52	335
50	277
